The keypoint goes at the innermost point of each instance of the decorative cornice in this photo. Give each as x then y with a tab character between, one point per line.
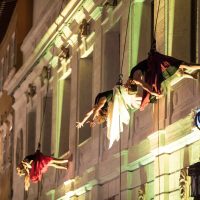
79	16
96	14
88	5
139	1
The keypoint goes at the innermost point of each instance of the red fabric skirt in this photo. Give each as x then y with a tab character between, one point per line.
39	166
158	67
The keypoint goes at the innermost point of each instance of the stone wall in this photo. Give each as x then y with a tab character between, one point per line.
159	142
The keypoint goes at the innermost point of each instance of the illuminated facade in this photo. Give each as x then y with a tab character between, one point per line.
82	41
10	62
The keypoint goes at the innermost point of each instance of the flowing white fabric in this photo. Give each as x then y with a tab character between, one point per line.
130	100
118	112
119	115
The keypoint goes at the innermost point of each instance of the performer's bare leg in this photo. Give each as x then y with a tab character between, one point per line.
194	67
57	166
185	75
59	161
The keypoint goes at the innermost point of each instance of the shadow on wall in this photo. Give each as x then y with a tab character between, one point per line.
111	57
179	32
141	31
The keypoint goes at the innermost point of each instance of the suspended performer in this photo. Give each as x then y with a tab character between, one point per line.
99	110
112	107
151	72
33	166
103	106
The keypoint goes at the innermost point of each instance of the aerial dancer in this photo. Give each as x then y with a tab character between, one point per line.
151	72
33	166
103	105
109	107
99	110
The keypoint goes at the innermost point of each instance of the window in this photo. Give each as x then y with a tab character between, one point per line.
31	132
19	147
141	18
47	126
64	102
6	64
13	52
111	57
85	94
152	21
3	69
193	46
1	75
9	59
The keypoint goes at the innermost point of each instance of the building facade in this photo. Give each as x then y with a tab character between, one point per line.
86	44
10	61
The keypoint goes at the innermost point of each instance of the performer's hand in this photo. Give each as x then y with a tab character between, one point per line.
79	124
92	123
158	96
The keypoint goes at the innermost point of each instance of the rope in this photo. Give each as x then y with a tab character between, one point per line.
153	47
125	37
120	83
156	19
77	114
44	111
159	149
48	77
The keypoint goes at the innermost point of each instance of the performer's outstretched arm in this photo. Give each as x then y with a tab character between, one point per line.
137	79
97	108
80	124
100	105
94	111
189	66
145	86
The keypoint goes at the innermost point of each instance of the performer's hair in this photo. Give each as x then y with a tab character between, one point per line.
20	169
101	118
132	89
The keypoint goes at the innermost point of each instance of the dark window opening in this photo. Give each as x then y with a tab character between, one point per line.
47	126
31	132
85	94
193	45
65	117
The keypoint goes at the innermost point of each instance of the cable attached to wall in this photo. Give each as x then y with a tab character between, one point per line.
120	82
45	105
153	47
48	70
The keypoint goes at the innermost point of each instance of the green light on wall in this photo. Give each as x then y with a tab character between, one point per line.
58	42
60	93
171	10
136	19
54	61
48	55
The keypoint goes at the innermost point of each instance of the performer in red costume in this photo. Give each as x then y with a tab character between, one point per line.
33	166
151	72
